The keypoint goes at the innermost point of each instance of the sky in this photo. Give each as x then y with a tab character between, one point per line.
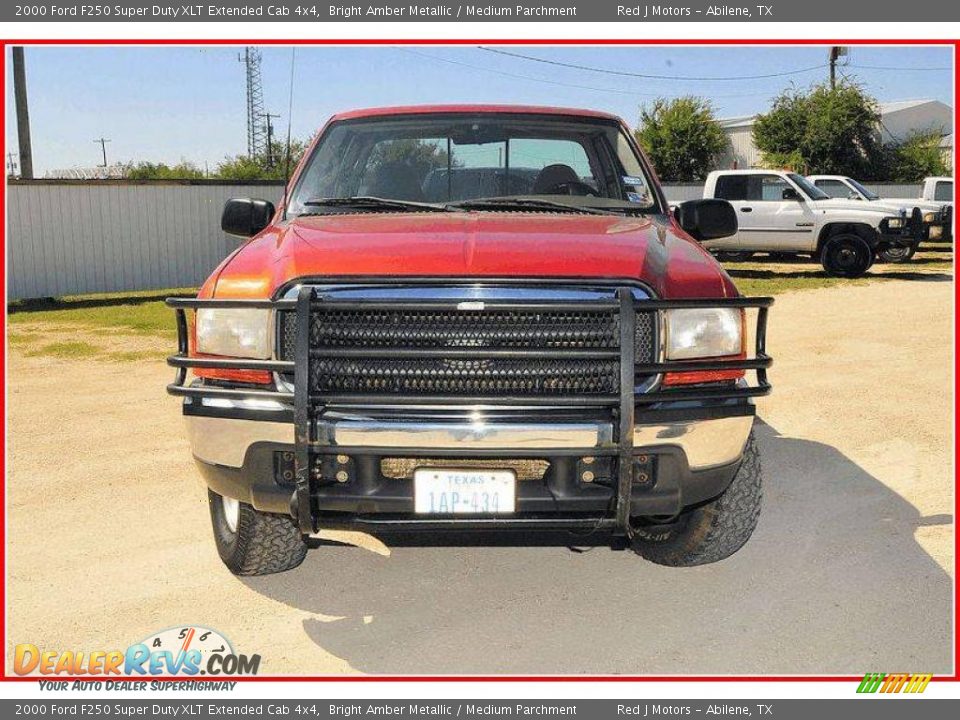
167	104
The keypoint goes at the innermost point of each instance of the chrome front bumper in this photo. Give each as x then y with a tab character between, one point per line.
706	443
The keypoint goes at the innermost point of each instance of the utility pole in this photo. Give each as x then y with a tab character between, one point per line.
23	114
269	125
103	147
836	52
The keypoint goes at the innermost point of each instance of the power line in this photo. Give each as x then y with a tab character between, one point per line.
623	73
885	67
517	76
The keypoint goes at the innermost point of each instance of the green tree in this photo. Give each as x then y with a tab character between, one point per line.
682	138
826	130
161	171
915	158
270	166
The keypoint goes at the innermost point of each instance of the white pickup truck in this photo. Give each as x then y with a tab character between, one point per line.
935	204
783	212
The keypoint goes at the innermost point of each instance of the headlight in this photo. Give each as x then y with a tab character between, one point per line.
930	217
703	332
895	223
234	332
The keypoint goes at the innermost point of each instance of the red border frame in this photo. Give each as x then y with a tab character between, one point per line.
457	42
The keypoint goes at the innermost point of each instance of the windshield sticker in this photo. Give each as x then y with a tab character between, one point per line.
630	180
636	197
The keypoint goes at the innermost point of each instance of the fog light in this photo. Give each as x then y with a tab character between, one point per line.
587	477
342	476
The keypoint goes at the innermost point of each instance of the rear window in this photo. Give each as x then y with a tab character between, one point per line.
731	187
943	191
751	187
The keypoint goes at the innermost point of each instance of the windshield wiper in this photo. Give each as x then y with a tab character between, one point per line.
520	203
368	202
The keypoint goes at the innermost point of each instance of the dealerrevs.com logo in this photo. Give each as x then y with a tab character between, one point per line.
894	683
189	651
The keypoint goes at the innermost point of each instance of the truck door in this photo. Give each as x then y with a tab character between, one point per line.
775	217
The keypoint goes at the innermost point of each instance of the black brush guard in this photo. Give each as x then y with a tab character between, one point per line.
623	404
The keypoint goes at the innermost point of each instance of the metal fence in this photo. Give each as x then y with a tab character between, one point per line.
68	238
75	237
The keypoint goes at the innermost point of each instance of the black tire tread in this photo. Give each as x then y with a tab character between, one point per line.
715	530
264	543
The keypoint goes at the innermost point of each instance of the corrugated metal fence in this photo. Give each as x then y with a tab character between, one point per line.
68	238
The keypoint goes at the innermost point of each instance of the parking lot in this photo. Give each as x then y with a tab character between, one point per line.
851	568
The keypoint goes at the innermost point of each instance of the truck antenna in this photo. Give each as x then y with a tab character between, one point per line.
286	161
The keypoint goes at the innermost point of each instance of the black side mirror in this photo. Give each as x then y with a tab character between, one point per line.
246	217
707	219
790	194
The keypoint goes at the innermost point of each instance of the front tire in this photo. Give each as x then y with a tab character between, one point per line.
714	530
898	254
251	542
846	255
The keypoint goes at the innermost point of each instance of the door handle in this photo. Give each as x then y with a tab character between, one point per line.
746	209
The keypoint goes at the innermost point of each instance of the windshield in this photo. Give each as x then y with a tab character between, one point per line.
868	194
811	190
446	159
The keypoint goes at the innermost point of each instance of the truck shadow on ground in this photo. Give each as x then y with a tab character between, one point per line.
833	581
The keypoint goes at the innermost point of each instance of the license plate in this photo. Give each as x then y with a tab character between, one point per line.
475	492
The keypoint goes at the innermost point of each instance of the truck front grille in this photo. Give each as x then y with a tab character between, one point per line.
465	353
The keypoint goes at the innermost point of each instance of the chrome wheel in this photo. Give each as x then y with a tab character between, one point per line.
231	512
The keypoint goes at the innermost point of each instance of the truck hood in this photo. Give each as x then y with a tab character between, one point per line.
880	207
473	244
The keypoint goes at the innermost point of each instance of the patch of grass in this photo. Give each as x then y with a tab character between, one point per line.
73	350
18	339
141	313
762	276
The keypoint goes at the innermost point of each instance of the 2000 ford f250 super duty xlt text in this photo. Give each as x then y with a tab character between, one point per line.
474	318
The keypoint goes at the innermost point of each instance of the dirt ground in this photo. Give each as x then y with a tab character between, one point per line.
850	569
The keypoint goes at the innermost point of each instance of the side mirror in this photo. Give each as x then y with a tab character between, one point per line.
790	194
854	196
707	219
246	217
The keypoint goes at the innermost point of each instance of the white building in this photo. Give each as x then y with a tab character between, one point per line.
898	121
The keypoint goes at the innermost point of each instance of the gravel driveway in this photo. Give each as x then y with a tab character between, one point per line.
850	569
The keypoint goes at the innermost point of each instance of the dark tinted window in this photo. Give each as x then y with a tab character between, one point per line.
751	187
944	191
731	187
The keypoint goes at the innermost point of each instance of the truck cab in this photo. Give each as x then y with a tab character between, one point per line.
938	190
783	212
474	319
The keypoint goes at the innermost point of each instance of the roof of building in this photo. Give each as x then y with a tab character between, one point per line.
886	108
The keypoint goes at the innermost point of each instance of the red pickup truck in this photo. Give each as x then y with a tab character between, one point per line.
476	318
